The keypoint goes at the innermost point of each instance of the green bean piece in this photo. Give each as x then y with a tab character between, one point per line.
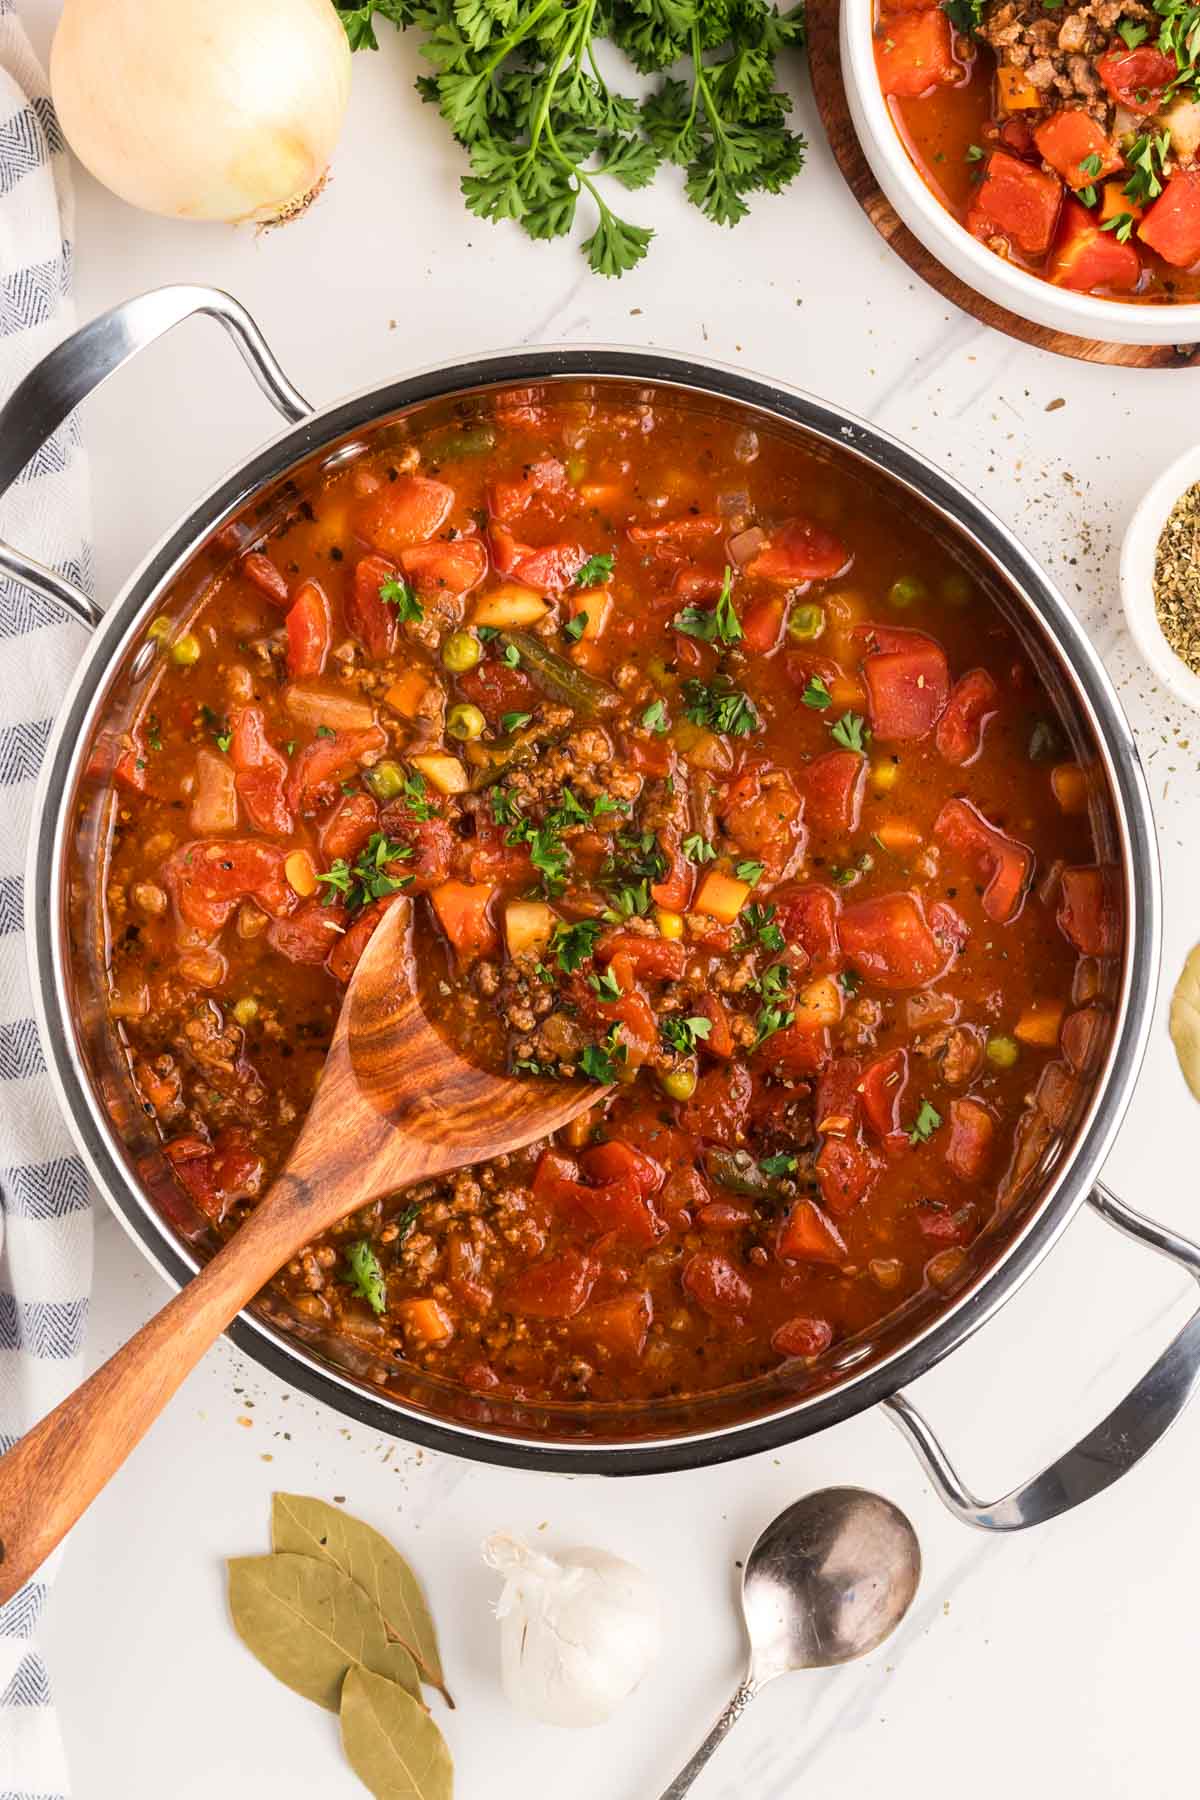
560	678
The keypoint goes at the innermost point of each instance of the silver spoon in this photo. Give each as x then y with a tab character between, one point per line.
827	1581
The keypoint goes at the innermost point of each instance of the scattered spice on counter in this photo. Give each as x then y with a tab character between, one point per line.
1177	579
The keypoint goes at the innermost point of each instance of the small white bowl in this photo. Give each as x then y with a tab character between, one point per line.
1137	575
1083	315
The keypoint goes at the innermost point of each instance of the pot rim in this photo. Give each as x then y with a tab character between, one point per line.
1067	1186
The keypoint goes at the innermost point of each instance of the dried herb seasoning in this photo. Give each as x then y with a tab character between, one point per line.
1177	579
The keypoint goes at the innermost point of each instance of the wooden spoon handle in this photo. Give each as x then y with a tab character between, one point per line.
55	1472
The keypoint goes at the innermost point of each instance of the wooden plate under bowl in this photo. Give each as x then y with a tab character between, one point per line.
825	65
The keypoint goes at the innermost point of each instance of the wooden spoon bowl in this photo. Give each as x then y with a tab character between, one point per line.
396	1104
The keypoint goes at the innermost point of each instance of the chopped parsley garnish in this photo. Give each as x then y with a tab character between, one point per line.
153	732
574	628
595	571
927	1121
413	789
1121	225
368	878
223	739
682	1035
816	694
511	657
850	731
605	803
485	633
1146	158
758	922
771	1019
323	731
573	944
505	810
655	718
599	1061
697	849
783	1164
720	626
635	862
848	876
749	872
513	721
1086	196
547	852
399	593
975	153
720	707
1132	34
606	985
965	15
365	1275
1179	36
1091	165
404	1221
849	982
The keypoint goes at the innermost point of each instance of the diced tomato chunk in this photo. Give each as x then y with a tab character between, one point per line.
1172	224
496	689
888	940
349	825
717	1286
615	1330
462	910
1089	910
1082	1036
615	1160
269	580
552	569
802	1337
368	614
941	1226
914	52
1017	201
508	499
838	1098
719	1106
344	958
317	769
807	1235
845	1172
968	1147
555	1288
431	841
1005	864
797	551
407	511
1137	79
208	878
882	1085
795	1051
310	934
764	815
452	568
973	702
309	630
661	958
719	1041
1068	139
1086	258
908	680
762	624
260	773
807	917
833	785
615	1198
675	889
678	540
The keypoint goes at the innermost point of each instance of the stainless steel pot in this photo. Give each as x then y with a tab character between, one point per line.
774	1410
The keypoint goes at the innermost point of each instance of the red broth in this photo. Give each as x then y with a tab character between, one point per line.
704	769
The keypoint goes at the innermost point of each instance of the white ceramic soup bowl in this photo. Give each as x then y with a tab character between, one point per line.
1082	315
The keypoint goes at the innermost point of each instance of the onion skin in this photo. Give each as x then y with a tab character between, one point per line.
203	109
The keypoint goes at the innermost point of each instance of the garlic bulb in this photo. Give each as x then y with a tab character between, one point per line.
203	109
577	1633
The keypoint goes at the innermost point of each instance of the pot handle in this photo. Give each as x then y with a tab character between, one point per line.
1110	1450
77	367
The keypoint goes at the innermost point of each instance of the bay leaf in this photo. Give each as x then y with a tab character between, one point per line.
308	1623
308	1527
391	1743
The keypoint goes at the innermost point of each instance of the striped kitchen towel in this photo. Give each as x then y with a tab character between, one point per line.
45	1206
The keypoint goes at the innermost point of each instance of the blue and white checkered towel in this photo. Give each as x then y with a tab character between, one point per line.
45	1207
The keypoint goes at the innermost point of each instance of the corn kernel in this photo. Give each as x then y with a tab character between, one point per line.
301	873
884	775
670	924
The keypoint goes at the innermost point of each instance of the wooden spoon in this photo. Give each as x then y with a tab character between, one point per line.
396	1104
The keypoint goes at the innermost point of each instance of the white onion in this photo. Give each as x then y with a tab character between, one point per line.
203	109
577	1632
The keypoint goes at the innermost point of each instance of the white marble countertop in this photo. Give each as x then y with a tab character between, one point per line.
1061	1660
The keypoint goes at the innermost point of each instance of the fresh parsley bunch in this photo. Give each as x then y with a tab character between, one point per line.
519	86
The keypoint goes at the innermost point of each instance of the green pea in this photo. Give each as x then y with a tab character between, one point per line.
186	650
159	631
1002	1052
385	780
957	588
461	651
906	592
806	622
245	1010
465	722
678	1084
